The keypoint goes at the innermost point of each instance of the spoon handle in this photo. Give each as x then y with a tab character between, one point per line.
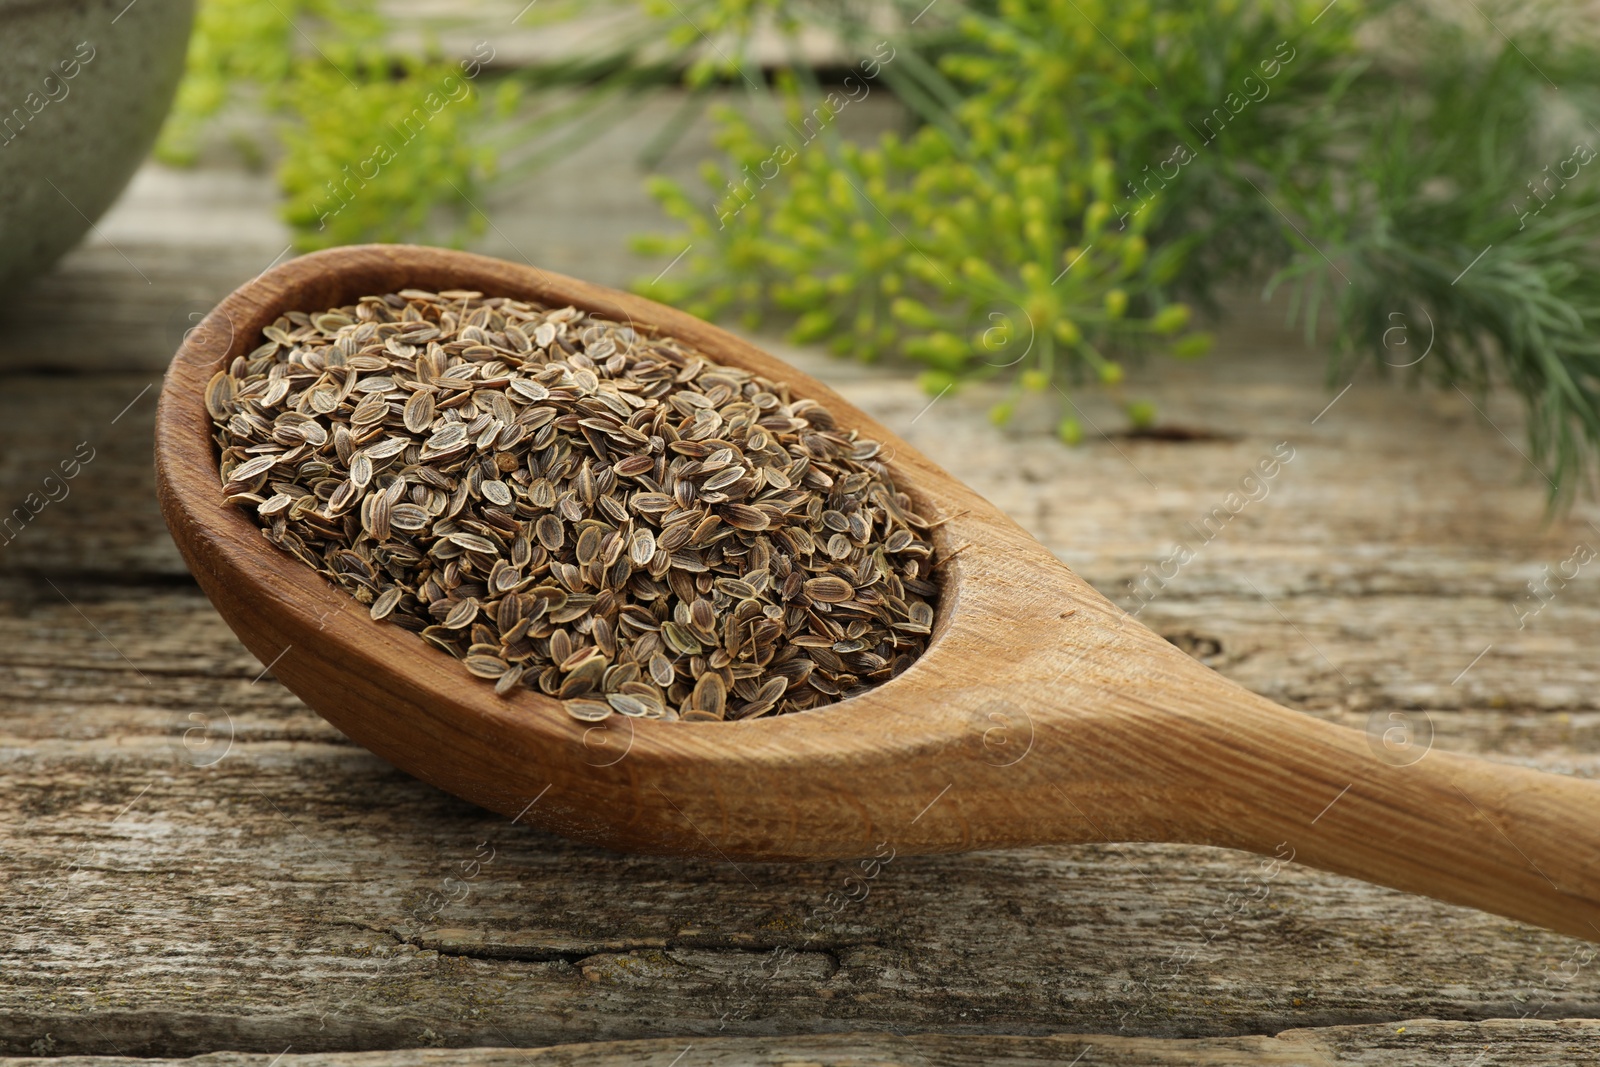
1506	839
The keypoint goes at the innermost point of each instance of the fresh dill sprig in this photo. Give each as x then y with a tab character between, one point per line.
1075	175
1463	241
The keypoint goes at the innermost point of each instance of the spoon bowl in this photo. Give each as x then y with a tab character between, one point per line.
1040	712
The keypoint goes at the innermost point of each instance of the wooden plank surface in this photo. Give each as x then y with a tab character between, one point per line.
194	862
1413	1043
524	36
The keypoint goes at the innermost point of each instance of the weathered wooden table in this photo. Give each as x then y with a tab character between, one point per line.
195	862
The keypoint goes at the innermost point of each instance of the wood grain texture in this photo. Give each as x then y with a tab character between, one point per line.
235	905
1392	618
299	890
1413	1043
1116	733
245	904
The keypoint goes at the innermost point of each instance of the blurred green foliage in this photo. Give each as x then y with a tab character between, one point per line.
1025	230
1463	242
1075	181
370	144
1361	155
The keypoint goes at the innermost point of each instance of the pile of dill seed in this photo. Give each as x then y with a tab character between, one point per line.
568	504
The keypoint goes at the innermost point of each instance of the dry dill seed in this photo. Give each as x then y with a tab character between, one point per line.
577	507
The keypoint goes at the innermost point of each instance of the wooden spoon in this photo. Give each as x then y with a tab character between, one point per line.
1040	713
